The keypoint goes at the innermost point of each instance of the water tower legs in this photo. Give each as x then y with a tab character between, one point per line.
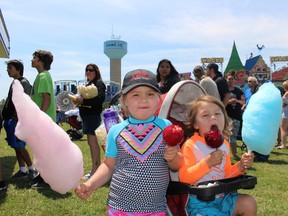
115	70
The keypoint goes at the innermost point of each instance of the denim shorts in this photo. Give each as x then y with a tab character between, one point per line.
219	207
12	140
90	123
235	131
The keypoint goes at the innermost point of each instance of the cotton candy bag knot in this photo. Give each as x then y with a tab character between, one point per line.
261	119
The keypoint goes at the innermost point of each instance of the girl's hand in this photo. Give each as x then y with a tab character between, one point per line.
214	158
83	191
246	161
170	153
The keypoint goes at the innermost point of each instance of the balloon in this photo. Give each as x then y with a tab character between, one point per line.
58	160
261	119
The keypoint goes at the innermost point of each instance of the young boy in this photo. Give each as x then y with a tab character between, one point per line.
43	93
15	70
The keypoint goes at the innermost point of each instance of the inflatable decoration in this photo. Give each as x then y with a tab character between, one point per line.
261	119
58	160
173	135
214	138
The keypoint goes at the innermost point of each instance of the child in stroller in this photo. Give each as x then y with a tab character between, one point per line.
72	118
174	108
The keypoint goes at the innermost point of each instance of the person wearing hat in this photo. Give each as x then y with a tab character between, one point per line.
206	82
223	88
136	157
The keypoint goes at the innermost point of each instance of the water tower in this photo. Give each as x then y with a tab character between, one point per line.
115	49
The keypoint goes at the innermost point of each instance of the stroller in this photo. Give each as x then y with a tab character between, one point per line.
71	117
174	108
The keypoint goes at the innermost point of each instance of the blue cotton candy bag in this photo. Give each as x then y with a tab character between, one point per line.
261	119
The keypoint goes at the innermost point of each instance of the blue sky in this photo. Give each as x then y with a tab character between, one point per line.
183	31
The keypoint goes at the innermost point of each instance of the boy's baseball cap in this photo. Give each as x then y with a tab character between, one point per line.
139	77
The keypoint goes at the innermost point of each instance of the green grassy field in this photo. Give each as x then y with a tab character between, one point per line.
271	191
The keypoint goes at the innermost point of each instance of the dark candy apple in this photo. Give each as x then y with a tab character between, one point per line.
214	138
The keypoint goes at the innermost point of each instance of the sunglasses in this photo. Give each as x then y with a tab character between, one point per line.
89	70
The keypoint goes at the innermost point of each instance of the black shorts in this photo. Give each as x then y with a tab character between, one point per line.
90	123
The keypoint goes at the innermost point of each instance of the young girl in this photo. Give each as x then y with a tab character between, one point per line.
137	159
203	163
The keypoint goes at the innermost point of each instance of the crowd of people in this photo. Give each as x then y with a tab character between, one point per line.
137	160
42	93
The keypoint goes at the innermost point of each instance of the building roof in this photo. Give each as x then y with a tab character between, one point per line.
250	63
234	61
281	74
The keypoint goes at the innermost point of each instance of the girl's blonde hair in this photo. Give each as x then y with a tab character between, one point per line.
193	108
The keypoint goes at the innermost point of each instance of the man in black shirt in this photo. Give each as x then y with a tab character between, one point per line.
223	89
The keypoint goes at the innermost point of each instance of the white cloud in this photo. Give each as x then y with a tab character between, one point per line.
182	31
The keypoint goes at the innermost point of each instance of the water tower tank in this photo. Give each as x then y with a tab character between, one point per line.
115	50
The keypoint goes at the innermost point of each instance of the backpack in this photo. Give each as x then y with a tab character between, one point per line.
9	109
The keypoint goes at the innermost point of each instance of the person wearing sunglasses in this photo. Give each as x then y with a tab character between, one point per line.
90	111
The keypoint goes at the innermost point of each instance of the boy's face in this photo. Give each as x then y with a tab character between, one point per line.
208	114
35	62
141	102
12	72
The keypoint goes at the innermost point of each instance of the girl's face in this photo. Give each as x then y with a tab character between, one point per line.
208	114
141	102
90	73
230	81
164	69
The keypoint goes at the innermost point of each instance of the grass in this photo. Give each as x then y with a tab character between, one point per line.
20	199
271	191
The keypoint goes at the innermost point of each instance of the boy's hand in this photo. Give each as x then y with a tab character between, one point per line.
246	161
214	158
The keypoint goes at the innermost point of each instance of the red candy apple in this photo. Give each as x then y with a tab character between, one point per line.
173	135
214	138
